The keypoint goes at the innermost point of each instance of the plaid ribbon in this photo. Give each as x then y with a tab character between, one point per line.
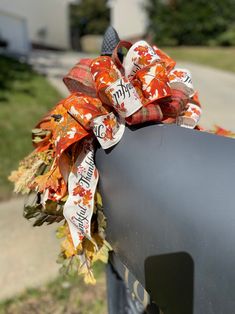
79	78
150	113
176	105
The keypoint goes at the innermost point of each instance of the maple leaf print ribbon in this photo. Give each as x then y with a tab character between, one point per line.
154	82
108	129
181	79
191	117
82	182
90	113
168	62
124	97
139	55
113	88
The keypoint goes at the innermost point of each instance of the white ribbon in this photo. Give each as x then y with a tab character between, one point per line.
181	79
132	62
82	182
125	98
191	117
108	129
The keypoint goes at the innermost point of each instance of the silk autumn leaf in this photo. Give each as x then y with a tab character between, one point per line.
223	132
50	180
68	247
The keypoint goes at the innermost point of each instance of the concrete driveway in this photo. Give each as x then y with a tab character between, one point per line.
28	255
217	95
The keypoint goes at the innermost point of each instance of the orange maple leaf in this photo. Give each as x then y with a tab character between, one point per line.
50	180
223	132
159	86
196	111
188	114
110	122
179	74
141	50
108	134
79	190
87	197
145	59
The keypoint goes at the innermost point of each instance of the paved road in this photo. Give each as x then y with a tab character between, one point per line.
55	65
217	95
28	255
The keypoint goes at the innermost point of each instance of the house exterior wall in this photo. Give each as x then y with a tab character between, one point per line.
13	30
128	17
47	20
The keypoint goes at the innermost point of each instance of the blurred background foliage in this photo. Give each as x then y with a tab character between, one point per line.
197	22
90	17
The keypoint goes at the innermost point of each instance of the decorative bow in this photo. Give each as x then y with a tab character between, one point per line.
105	95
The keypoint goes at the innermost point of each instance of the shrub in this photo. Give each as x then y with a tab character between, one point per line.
189	22
228	37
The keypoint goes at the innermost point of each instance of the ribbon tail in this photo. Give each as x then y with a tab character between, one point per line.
82	182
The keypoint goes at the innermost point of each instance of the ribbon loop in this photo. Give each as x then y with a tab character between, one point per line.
141	54
113	88
108	129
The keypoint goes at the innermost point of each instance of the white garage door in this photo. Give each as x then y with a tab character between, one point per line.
14	31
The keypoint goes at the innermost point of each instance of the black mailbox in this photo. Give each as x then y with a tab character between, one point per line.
169	198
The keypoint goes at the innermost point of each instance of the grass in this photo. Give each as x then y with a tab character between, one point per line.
24	98
61	296
216	57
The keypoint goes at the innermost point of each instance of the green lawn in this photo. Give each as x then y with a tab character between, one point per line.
24	98
62	296
217	57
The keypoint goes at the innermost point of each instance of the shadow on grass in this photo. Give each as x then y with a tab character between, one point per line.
13	71
25	97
